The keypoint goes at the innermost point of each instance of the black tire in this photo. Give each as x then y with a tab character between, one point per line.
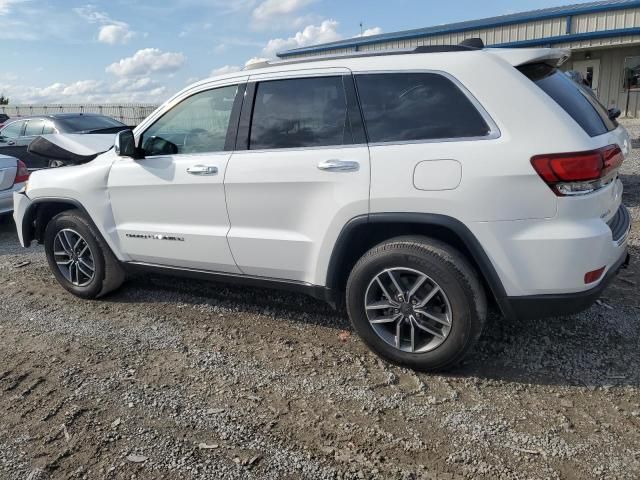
453	274
109	274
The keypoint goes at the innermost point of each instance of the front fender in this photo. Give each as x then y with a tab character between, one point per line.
83	187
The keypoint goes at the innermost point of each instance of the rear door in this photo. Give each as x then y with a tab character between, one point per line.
170	207
10	136
300	173
33	129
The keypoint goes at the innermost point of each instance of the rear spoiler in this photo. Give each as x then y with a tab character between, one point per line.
524	56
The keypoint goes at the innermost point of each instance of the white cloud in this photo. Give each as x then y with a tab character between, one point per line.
111	31
147	61
5	5
253	60
311	35
225	69
370	31
269	9
92	15
115	34
91	91
281	14
82	87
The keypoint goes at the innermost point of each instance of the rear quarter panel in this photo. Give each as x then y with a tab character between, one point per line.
498	182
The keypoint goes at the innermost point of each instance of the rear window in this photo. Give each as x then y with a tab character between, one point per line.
417	106
85	123
578	101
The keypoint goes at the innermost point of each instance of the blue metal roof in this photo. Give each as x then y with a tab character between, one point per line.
492	22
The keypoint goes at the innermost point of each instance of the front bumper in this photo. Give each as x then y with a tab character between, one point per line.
542	306
21	205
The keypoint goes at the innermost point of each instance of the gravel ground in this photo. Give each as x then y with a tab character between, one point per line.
184	379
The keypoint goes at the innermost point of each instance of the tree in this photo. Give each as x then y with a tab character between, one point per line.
4	100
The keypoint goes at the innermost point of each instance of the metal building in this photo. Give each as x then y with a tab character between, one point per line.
604	37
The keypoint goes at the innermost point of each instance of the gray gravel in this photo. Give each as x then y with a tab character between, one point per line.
183	379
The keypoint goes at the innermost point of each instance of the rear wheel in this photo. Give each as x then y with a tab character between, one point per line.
416	302
79	258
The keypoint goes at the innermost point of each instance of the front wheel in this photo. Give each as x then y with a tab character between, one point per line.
416	302
79	258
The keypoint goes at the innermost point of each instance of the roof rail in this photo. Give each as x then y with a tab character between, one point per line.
464	46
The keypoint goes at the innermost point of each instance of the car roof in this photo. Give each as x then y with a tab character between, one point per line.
398	58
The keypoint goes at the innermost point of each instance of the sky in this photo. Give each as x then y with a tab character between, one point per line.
67	51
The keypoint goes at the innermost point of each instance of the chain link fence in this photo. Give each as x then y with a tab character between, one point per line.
128	113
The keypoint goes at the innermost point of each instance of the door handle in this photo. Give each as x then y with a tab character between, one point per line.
339	166
203	170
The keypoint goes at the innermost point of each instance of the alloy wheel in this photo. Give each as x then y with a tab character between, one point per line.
408	310
74	257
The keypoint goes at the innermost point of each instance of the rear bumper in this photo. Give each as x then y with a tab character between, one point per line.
6	198
21	205
541	306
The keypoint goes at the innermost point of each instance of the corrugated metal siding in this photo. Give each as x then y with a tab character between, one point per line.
508	33
518	32
520	18
611	91
601	21
601	42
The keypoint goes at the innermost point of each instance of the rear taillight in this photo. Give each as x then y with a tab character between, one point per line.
578	173
22	174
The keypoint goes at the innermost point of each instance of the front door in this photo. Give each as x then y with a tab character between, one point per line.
590	70
303	174
169	207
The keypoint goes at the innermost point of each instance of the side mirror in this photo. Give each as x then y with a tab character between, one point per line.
614	113
125	144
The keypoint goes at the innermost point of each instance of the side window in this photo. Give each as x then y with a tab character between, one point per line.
302	112
198	124
13	130
34	127
416	106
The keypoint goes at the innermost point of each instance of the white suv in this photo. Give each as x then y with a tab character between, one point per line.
415	186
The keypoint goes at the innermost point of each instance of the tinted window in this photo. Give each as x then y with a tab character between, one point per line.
86	123
197	124
578	101
34	127
303	112
416	106
12	130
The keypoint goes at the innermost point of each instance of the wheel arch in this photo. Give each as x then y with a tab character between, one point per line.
364	232
42	210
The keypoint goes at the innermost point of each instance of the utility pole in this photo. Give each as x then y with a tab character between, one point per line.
361	29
